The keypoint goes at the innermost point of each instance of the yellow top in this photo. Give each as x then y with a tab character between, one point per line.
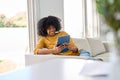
49	42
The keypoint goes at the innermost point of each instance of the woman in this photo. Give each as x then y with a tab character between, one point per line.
49	31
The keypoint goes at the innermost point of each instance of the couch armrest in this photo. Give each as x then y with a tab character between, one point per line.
31	59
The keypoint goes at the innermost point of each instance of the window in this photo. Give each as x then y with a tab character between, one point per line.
13	30
80	18
73	18
92	19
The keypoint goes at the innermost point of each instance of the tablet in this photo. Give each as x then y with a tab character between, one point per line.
63	39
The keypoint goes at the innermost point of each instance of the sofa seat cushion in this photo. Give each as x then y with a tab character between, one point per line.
105	56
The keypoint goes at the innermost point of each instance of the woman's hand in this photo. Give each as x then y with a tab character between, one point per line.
67	45
70	47
58	49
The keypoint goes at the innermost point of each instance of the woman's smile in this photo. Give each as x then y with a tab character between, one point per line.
51	31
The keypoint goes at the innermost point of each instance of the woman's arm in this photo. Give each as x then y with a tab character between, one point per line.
45	51
56	49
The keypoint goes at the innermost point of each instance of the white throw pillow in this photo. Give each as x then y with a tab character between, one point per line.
82	44
96	46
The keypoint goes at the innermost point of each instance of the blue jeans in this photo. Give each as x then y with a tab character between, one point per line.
86	54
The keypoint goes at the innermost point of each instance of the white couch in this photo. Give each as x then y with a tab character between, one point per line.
96	47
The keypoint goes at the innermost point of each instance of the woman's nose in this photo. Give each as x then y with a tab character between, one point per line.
52	29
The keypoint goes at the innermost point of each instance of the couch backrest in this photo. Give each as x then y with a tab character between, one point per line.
82	44
93	45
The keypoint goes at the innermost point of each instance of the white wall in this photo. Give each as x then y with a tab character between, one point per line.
50	7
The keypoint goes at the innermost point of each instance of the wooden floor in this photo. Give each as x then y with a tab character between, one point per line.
8	65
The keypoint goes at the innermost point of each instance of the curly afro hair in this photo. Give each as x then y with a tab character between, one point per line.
44	23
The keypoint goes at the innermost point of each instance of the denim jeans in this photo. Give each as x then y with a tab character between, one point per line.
86	54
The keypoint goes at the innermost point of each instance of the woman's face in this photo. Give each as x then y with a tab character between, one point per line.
51	31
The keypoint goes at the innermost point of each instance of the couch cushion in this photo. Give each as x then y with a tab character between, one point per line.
105	56
96	46
82	44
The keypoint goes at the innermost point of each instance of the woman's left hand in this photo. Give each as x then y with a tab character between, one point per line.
67	45
70	47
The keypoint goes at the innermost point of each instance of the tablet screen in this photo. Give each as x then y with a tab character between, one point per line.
63	39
